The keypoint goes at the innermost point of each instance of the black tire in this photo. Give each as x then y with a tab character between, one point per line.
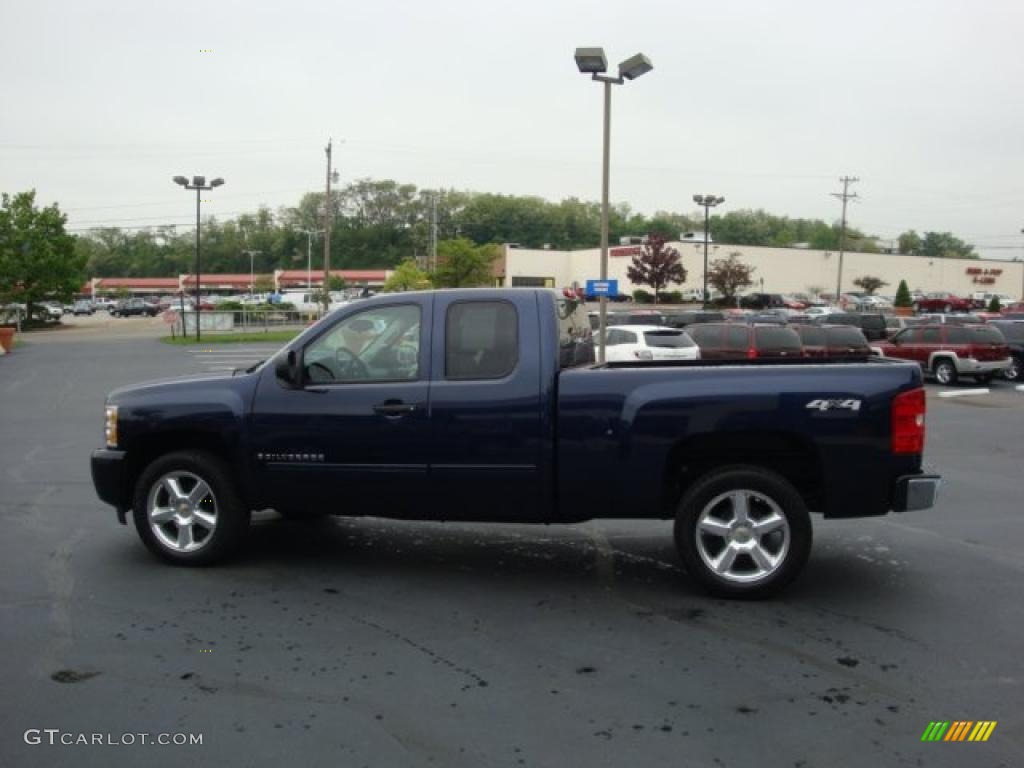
945	372
230	514
1013	372
774	494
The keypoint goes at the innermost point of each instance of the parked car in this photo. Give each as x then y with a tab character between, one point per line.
635	317
833	341
821	310
956	318
82	308
950	351
104	303
942	301
871	324
629	343
896	323
982	299
1013	332
873	303
489	397
135	308
770	301
52	310
736	341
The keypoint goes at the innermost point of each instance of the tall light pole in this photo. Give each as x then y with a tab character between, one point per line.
707	202
200	186
252	271
592	61
310	234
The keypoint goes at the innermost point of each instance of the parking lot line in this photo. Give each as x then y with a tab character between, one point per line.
964	392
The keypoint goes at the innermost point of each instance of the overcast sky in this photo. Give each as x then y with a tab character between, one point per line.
766	103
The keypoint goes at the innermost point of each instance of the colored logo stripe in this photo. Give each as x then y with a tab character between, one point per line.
958	730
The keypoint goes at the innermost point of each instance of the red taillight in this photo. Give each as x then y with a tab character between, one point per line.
751	353
908	411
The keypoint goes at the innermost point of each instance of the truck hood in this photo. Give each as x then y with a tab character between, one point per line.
171	385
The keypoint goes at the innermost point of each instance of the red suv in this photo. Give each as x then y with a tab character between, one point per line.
951	351
835	341
735	341
942	302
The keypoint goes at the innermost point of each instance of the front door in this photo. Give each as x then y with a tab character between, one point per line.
355	438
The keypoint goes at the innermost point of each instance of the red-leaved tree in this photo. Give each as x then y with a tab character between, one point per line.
657	265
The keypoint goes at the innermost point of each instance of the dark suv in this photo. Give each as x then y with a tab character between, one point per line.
683	319
733	341
834	341
871	324
1013	332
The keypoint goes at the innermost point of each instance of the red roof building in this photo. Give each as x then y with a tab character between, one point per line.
296	278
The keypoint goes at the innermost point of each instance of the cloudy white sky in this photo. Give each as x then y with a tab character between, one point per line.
766	103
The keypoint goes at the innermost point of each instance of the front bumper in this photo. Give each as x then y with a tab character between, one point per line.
913	492
109	477
970	365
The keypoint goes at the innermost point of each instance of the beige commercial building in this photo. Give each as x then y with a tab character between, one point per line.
777	270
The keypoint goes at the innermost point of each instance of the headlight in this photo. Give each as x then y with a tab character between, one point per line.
110	423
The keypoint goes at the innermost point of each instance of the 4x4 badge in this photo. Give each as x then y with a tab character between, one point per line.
829	405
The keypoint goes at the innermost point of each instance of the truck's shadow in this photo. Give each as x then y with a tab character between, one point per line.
516	557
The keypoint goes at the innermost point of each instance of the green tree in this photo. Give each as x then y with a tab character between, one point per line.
910	243
995	305
407	277
38	258
944	245
903	298
336	283
729	276
869	283
461	264
658	265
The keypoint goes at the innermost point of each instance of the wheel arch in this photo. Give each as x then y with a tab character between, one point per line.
787	454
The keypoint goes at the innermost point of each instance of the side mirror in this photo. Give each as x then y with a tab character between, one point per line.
287	370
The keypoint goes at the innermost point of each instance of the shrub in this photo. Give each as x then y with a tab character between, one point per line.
670	297
994	305
640	296
903	298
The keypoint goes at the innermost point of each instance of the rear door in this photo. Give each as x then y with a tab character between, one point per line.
485	408
710	339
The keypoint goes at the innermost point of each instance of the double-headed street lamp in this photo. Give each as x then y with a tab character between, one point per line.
200	186
592	61
707	202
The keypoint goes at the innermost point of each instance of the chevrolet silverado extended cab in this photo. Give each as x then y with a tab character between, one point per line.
485	405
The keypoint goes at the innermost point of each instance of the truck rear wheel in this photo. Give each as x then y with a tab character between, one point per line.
743	532
186	509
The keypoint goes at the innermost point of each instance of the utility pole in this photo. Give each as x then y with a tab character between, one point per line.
845	196
327	234
433	232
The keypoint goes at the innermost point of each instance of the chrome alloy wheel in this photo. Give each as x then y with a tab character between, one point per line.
742	536
182	511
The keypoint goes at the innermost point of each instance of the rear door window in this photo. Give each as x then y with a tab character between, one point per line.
930	336
846	337
481	340
812	337
986	336
957	335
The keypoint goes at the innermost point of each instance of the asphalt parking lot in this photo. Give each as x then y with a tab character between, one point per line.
380	643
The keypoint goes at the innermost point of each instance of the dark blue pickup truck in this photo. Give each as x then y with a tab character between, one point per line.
485	405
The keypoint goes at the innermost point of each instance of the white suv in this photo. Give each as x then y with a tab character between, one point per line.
629	343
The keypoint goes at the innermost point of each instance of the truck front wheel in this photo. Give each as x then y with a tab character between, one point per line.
186	509
743	532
